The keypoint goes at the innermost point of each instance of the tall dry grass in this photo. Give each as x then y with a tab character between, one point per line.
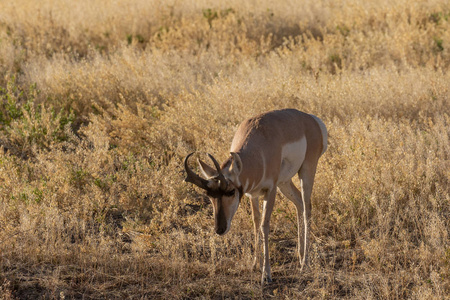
101	100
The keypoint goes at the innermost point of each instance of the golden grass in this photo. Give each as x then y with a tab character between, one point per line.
100	101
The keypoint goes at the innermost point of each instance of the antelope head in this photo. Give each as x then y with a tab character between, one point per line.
224	191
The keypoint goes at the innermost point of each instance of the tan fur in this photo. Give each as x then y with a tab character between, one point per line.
266	152
259	142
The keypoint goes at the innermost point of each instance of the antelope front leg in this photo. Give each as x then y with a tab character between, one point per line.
269	200
256	223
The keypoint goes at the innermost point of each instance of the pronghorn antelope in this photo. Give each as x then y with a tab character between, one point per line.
266	152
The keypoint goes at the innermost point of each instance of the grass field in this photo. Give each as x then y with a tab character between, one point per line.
101	100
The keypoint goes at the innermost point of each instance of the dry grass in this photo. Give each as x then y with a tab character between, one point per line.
101	100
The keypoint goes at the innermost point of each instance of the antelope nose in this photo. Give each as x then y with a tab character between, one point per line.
221	230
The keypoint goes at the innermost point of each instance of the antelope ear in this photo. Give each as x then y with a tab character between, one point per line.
207	171
236	164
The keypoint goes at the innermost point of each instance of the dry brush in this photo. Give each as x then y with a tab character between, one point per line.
100	101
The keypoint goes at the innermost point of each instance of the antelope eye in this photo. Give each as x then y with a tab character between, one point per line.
230	193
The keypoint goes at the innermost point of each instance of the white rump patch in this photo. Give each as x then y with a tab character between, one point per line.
323	130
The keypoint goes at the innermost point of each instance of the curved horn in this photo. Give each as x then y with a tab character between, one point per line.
222	180
192	177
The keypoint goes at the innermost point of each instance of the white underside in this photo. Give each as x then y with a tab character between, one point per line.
292	157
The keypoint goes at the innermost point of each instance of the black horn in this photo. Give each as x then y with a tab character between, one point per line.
192	177
222	180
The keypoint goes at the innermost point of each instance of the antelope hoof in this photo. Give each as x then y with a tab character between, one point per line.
304	267
266	278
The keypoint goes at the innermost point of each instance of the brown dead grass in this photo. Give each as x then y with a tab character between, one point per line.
101	100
